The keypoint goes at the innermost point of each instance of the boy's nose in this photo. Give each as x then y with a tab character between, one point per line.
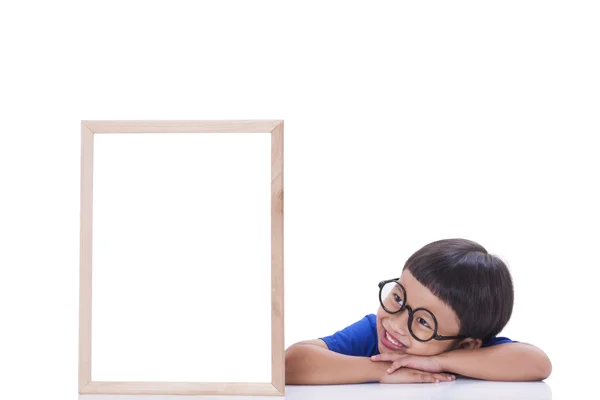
399	330
399	323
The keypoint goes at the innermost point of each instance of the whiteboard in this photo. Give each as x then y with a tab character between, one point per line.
182	261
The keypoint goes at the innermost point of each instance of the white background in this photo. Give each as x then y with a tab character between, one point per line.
181	257
404	123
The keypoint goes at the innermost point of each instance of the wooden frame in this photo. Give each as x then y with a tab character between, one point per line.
277	384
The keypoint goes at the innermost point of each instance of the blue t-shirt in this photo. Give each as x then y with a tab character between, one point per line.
360	339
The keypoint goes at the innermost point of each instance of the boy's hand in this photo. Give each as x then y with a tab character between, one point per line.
423	363
409	375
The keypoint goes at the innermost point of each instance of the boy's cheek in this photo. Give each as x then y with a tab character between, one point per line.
379	315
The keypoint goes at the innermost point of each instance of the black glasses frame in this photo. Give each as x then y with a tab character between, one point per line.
411	313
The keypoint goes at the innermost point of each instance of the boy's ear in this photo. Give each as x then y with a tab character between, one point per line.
469	343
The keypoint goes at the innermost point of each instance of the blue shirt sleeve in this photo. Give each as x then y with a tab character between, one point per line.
497	340
358	339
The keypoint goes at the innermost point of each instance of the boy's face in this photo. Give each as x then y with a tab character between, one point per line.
396	325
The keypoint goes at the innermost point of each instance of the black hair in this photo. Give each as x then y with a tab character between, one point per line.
474	283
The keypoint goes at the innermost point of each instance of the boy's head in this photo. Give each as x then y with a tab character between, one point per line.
467	291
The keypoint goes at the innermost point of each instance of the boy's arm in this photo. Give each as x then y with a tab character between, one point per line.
502	362
312	363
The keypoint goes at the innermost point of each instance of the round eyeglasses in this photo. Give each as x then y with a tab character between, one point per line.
422	324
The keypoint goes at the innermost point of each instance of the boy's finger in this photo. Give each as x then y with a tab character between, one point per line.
387	357
380	357
395	365
443	377
427	377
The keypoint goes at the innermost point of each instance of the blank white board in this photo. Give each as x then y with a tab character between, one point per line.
181	241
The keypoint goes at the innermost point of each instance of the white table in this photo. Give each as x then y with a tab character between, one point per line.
459	389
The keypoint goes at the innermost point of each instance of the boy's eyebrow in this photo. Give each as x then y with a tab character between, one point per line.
414	308
427	308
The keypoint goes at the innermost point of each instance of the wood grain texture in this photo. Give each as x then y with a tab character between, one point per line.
85	259
182	388
164	126
277	278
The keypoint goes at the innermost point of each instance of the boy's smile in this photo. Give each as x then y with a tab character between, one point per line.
392	340
392	329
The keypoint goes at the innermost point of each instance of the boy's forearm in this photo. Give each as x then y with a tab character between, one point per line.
503	362
313	365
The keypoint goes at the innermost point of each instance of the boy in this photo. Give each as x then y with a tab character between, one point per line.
440	318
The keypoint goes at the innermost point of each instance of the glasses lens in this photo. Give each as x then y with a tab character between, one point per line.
392	297
423	325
